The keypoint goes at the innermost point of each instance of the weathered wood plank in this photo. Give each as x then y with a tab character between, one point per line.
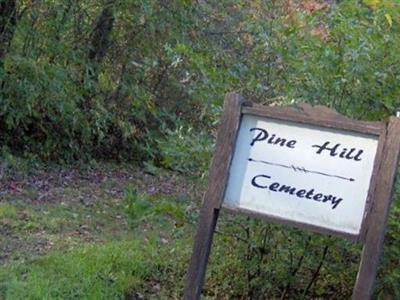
378	215
213	197
372	186
377	208
322	116
300	225
315	115
224	149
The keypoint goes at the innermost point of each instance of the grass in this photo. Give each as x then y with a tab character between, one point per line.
119	233
83	235
113	270
7	211
92	272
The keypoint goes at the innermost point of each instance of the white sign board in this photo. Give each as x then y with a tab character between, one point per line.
302	173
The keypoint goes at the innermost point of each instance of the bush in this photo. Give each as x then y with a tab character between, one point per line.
110	80
186	150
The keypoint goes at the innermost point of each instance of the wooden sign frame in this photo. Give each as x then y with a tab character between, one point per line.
378	201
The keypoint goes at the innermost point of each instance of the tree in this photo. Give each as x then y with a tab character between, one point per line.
8	20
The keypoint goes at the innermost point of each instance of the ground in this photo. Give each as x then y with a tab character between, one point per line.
65	209
112	231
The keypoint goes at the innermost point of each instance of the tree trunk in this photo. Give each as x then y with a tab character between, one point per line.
100	39
8	20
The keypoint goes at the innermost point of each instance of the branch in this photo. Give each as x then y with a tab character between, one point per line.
316	273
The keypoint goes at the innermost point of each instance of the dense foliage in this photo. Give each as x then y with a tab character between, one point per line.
113	79
144	81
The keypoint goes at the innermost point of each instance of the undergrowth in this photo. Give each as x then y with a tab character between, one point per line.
250	259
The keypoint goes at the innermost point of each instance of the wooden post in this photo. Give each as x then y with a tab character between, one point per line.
377	219
377	206
214	195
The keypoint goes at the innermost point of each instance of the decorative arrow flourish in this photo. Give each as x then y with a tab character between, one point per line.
301	169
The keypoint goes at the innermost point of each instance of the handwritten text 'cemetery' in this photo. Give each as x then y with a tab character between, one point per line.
264	181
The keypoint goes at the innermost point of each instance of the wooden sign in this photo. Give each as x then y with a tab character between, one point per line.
305	166
301	174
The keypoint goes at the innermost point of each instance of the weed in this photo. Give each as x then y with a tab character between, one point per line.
7	211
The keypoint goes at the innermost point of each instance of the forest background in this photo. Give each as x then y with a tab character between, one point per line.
131	92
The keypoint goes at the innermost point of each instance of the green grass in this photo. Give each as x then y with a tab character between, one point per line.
7	211
132	239
109	271
87	241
